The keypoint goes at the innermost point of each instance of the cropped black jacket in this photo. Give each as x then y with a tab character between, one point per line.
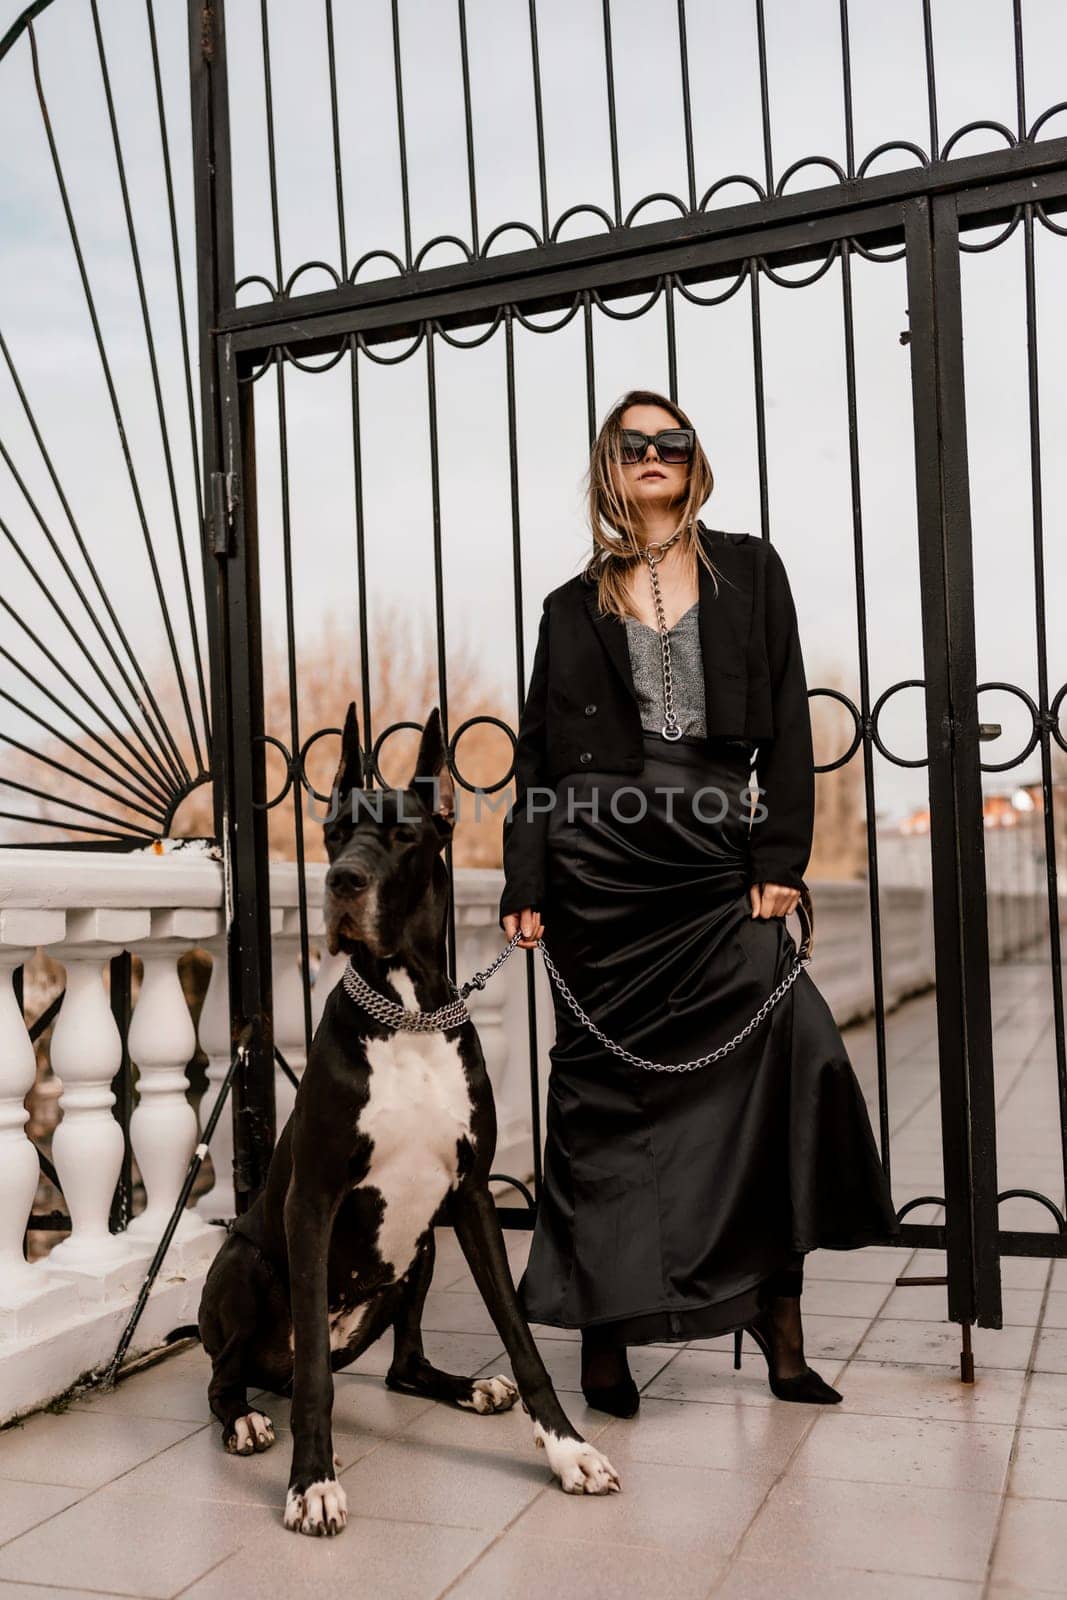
581	709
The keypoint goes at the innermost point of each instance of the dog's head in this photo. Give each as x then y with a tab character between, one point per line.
384	845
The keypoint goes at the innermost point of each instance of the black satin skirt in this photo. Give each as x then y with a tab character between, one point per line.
668	1198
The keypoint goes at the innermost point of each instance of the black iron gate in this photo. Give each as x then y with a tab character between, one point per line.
697	257
922	215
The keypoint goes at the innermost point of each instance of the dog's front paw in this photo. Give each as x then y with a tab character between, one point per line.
579	1467
251	1433
320	1509
491	1394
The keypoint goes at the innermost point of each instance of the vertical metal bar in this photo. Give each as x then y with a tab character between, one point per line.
520	670
968	1113
335	128
613	125
245	840
231	577
121	970
1046	723
468	124
870	806
539	118
687	105
439	600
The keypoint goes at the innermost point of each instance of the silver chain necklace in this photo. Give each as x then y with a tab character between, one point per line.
455	1011
671	728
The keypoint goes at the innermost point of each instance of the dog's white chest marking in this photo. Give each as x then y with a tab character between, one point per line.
418	1113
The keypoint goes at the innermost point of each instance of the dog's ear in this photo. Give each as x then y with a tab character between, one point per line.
431	778
350	767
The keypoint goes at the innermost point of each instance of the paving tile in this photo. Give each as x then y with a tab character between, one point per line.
1031	1553
924	1531
708	1377
929	1303
386	1560
518	1567
929	1342
465	1353
1024	1272
103	1544
916	1450
883	1389
875	1264
1051	1351
459	1487
1039	1468
563	1362
760	1580
545	1330
456	1311
511	1431
200	1469
690	1511
83	1449
842	1297
168	1391
824	1337
31	1591
752	1439
361	1404
24	1505
1055	1308
1046	1401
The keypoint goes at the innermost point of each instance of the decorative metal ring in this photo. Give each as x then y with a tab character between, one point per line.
1035	722
879	744
442	238
268	805
495	722
857	738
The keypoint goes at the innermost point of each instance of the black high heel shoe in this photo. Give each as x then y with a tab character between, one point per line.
620	1399
806	1386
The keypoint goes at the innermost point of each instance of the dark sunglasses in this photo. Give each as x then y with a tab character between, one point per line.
673	445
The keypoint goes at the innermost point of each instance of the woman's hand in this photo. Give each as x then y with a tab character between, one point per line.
772	899
530	923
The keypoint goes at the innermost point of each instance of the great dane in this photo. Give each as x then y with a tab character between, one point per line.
389	1125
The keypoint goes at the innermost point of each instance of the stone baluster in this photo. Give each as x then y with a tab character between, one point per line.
289	1033
215	1041
87	1146
162	1039
20	1283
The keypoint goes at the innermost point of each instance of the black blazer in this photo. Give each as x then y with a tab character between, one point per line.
581	708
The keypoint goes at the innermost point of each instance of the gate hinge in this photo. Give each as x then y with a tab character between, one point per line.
225	498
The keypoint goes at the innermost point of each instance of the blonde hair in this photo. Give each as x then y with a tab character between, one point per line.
615	543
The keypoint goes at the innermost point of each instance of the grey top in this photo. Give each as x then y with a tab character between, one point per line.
687	672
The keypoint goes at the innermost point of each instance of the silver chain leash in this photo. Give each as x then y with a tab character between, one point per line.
455	1012
671	728
665	1066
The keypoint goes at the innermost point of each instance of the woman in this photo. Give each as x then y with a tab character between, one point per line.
678	1205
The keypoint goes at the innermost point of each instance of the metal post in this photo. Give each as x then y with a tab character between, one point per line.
231	569
965	1049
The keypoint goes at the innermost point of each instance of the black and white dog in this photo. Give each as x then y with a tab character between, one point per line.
388	1126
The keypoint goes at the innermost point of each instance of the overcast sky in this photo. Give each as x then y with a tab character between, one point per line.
44	320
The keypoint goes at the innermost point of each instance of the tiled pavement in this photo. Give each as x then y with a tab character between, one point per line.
916	1488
